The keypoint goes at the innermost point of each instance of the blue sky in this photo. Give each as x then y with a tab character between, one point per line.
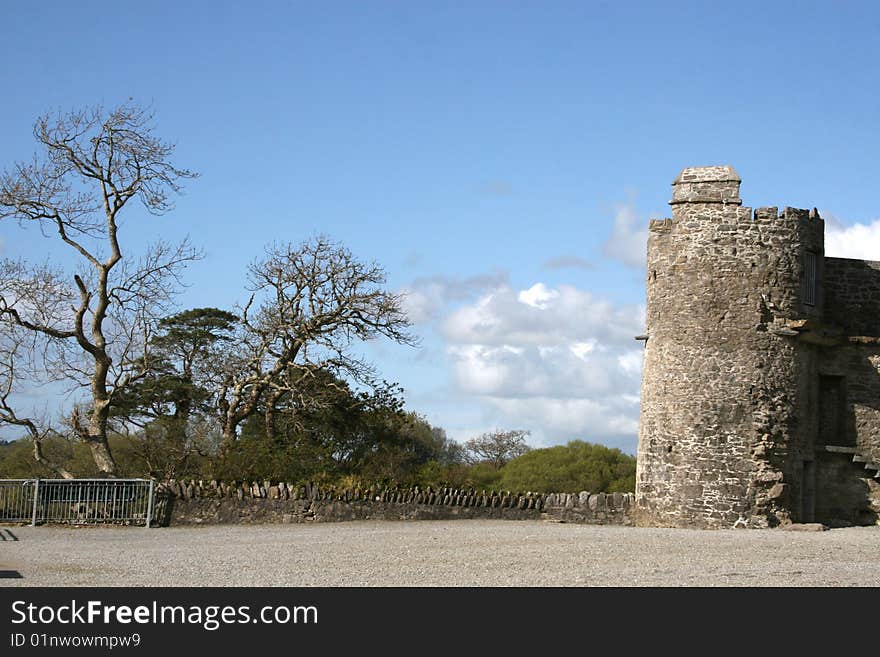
499	159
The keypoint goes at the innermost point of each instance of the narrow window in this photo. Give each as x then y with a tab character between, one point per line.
810	278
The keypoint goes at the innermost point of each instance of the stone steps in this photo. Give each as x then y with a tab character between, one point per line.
869	465
857	457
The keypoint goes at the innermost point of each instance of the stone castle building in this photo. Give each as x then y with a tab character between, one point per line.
761	380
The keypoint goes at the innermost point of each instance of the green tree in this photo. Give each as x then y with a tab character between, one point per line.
181	366
322	431
329	432
403	444
16	460
172	401
570	468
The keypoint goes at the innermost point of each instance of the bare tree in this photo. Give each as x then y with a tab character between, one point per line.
497	447
92	325
16	366
310	304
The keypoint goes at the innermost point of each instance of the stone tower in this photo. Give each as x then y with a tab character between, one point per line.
727	365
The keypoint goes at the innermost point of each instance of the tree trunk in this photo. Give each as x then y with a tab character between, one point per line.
101	454
97	433
269	418
229	436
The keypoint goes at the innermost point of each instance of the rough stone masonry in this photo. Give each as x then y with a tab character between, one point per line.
760	400
214	502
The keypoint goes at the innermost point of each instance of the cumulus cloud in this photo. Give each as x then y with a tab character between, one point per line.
860	241
568	262
613	422
427	298
537	296
559	361
629	237
544	316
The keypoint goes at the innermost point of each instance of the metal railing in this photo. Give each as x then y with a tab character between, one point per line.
77	501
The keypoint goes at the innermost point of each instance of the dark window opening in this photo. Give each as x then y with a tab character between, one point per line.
810	278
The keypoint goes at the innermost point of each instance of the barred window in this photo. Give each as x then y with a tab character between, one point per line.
810	278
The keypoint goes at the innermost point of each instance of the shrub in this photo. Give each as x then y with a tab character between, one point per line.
570	468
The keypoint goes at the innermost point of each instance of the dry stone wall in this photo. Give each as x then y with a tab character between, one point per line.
213	502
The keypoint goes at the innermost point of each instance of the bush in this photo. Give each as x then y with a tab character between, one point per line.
570	468
17	460
484	476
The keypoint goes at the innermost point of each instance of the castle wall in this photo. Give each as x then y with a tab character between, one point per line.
859	365
800	474
842	495
719	439
852	293
852	289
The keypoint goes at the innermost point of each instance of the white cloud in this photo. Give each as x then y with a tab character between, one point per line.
537	296
582	349
559	361
614	423
542	316
427	298
629	238
631	362
860	241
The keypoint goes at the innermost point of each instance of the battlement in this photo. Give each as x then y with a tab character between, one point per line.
787	214
746	215
715	184
710	195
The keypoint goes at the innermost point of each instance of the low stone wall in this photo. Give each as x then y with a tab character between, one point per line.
589	508
188	503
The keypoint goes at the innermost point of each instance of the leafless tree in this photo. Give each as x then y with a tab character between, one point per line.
16	366
310	304
497	447
92	325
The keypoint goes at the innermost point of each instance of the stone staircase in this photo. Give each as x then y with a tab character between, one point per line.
872	467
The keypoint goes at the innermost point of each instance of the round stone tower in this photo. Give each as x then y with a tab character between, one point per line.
727	293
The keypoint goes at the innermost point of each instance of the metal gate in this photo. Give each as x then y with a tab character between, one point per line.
77	501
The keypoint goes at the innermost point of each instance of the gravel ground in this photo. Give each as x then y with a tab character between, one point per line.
437	553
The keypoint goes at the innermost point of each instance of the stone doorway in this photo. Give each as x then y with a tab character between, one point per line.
832	412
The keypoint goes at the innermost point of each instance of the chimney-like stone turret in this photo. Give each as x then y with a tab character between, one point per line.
718	184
